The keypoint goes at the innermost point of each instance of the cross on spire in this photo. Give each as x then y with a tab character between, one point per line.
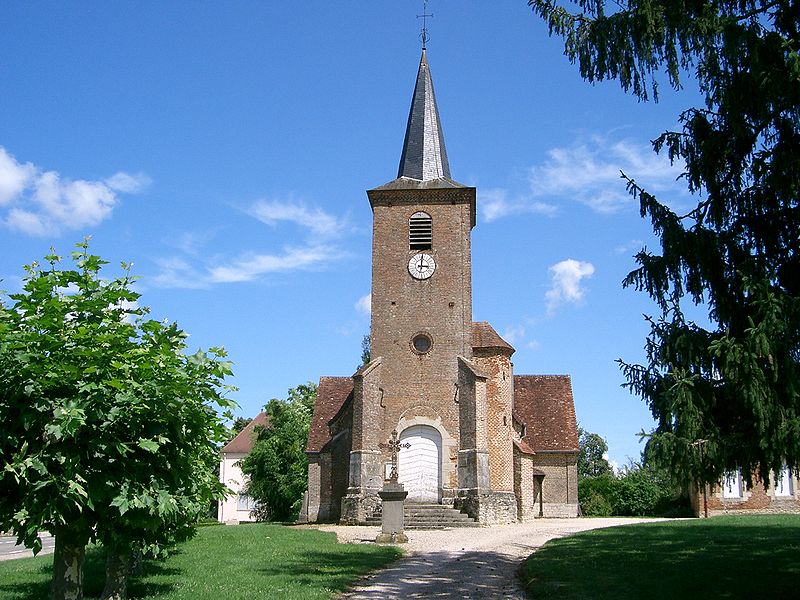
424	16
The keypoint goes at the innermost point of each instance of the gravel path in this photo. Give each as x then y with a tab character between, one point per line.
461	563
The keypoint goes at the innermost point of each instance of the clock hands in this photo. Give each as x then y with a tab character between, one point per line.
421	266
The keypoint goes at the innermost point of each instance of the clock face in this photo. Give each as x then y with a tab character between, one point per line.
421	266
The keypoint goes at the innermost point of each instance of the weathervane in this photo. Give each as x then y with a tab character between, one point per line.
424	16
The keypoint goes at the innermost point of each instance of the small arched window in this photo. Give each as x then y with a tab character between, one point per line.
420	231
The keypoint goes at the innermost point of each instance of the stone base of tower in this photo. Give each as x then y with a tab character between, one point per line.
366	480
358	505
487	507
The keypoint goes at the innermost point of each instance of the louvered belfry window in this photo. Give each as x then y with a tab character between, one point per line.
420	228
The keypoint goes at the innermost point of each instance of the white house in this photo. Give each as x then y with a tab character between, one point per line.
237	507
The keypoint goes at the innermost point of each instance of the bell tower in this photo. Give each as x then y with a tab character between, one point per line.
421	381
421	257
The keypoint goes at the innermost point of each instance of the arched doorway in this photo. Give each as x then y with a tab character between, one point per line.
419	465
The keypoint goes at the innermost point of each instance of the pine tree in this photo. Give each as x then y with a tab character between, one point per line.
724	394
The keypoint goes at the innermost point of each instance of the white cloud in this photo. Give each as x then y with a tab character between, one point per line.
495	204
42	202
190	242
251	266
26	222
364	305
127	183
565	285
178	273
589	171
514	334
14	177
316	220
533	345
193	270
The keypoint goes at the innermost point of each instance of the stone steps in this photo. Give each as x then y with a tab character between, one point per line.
428	516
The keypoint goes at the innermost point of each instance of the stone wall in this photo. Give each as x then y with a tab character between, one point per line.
556	510
365	464
491	508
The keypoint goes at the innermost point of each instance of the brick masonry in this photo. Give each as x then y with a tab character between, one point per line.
560	484
463	386
754	499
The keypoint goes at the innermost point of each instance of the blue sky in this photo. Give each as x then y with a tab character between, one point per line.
225	150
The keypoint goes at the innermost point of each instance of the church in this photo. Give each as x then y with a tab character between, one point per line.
499	447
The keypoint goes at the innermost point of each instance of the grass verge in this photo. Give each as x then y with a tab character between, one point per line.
248	561
743	556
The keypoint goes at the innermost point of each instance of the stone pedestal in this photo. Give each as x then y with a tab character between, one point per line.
393	497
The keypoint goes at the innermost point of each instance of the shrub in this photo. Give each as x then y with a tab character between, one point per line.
596	495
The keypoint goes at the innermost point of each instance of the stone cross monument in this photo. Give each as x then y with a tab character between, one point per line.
393	497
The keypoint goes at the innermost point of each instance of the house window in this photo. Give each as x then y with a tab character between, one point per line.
732	484
246	503
420	231
783	482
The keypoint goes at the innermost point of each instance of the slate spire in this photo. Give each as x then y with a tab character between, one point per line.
424	156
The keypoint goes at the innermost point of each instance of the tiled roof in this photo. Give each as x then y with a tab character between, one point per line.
332	393
243	442
523	447
544	403
424	156
484	336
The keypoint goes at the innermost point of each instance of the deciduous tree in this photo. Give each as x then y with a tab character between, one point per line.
109	429
592	453
277	466
730	385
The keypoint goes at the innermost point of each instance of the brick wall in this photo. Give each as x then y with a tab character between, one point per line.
755	499
560	484
525	487
402	306
496	365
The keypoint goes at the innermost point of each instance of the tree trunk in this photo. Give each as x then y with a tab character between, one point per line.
118	563
68	564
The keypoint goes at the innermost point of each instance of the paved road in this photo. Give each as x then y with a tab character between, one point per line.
462	563
9	549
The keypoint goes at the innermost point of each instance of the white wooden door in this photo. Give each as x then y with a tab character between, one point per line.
418	465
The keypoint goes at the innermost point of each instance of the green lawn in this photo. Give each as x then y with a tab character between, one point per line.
748	556
248	561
